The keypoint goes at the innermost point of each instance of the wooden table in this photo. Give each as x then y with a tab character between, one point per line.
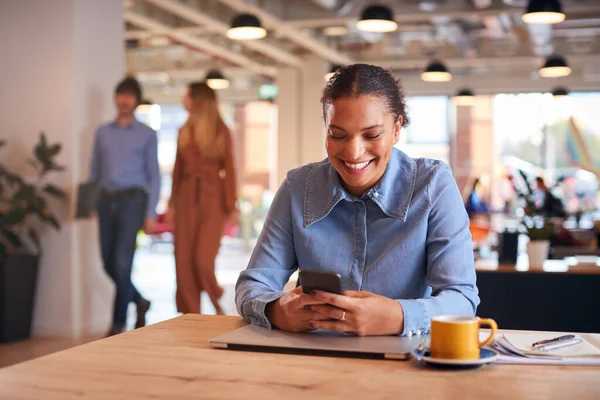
173	360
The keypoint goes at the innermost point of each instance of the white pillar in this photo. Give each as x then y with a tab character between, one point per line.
60	62
312	133
301	137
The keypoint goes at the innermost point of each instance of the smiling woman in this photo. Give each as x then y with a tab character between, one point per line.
394	228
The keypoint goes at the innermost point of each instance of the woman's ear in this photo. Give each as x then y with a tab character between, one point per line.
397	127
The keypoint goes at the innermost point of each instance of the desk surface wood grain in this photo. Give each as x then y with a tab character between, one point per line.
173	360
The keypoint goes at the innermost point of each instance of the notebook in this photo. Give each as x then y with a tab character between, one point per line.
88	195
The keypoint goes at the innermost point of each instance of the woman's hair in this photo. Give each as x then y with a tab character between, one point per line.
204	124
363	79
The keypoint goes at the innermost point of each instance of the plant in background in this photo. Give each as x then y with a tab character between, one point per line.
24	202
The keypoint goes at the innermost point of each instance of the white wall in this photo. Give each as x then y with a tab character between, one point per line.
60	62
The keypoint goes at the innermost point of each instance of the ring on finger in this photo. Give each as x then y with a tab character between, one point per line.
343	316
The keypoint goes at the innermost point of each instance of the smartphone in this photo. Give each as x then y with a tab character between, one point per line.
319	280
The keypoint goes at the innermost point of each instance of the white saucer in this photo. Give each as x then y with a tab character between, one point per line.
486	356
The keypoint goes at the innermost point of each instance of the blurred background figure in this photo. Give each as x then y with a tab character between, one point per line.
203	198
475	204
546	202
125	165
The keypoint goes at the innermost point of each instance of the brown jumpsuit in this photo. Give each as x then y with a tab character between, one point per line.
203	195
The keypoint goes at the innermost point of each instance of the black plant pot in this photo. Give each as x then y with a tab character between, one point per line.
18	283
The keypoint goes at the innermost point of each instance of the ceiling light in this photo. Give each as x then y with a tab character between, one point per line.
377	19
335	31
215	80
436	72
544	12
334	68
465	97
560	92
246	27
555	67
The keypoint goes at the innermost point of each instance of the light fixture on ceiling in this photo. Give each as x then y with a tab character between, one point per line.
555	67
377	19
465	97
334	68
336	31
560	92
246	27
436	72
215	80
544	12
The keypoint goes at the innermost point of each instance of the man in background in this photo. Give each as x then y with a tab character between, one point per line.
125	166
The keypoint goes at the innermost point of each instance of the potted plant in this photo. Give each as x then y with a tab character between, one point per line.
23	213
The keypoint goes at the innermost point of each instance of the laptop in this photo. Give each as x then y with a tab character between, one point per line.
255	338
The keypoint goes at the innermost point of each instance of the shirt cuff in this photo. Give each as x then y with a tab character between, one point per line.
257	315
416	318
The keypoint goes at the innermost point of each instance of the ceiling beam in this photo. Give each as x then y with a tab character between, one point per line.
202	45
295	35
410	13
464	62
208	21
143	34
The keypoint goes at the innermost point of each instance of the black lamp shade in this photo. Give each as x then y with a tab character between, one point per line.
245	21
377	12
560	92
555	67
555	61
544	12
436	72
465	93
537	6
246	27
436	66
377	18
214	74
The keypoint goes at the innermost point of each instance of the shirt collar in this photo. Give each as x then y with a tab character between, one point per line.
393	193
131	125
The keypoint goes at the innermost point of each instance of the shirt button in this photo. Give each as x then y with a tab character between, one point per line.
418	333
409	334
375	194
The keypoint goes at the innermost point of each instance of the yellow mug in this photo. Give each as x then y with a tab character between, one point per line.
457	337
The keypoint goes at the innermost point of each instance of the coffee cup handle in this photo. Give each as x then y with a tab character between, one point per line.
494	327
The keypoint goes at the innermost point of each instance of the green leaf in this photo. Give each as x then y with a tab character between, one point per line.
11	237
12	217
51	219
54	150
43	142
54	191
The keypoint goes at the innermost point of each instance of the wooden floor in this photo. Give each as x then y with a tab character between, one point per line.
17	352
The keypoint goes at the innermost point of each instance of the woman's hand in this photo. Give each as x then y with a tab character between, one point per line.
290	312
357	312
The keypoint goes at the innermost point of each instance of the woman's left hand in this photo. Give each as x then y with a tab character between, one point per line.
360	313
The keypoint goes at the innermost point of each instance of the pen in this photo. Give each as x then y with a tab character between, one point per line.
557	339
559	345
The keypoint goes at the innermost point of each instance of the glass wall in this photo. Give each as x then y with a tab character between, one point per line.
427	134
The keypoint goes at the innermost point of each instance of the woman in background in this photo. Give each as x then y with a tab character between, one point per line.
203	198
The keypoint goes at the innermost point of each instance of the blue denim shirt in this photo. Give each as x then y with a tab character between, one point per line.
125	158
407	238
